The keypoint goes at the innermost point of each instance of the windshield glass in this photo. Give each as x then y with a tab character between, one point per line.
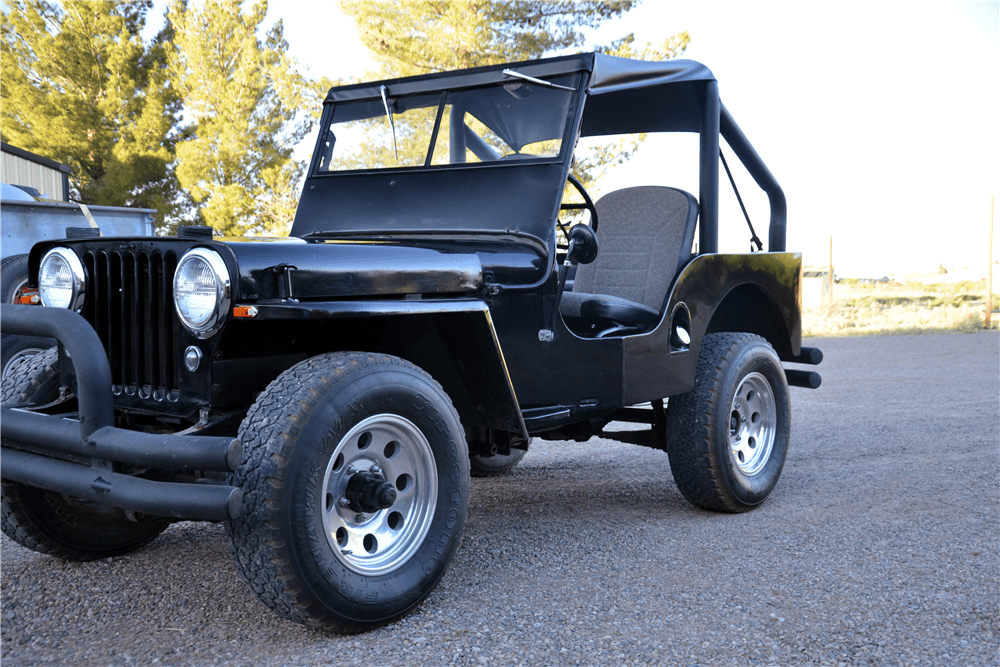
510	121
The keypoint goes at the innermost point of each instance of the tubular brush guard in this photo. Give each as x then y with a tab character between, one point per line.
95	435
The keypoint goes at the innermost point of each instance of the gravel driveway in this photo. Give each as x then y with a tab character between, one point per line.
879	546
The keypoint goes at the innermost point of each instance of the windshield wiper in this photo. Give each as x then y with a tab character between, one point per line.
388	113
540	82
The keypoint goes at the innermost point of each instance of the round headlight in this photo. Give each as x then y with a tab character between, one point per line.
202	291
61	280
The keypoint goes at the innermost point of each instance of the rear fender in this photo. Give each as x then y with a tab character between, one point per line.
755	293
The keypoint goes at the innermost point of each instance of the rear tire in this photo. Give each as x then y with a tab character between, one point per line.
334	431
491	466
49	522
728	437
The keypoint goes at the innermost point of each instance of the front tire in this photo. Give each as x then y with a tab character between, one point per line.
14	347
728	437
49	522
355	487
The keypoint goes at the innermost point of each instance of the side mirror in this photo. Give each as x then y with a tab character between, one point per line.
582	245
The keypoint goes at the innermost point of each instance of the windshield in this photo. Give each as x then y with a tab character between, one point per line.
515	120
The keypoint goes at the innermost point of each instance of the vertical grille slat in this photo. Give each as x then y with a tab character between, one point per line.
147	352
124	323
165	309
134	308
131	310
106	293
153	329
172	328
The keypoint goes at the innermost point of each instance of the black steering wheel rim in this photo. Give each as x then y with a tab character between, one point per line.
588	205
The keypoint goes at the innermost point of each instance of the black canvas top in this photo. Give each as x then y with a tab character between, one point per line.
625	95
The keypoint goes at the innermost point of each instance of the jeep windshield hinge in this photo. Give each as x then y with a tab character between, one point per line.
285	281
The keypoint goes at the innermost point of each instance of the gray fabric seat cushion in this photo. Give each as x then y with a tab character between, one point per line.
645	237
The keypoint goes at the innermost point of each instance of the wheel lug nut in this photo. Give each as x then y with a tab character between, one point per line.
376	470
350	470
344	502
360	518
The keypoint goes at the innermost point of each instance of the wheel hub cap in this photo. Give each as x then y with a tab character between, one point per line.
380	493
369	492
752	424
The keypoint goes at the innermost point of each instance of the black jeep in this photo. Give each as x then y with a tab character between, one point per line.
328	394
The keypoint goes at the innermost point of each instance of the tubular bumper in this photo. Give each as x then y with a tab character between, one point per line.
95	436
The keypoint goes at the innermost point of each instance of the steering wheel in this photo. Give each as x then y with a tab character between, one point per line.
588	205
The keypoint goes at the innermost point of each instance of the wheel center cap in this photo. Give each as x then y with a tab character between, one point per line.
369	492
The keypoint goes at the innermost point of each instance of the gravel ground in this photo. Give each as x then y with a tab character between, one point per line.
878	547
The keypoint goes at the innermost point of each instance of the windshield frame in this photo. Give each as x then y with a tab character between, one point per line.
444	92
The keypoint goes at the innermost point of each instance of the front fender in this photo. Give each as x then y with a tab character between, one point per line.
452	339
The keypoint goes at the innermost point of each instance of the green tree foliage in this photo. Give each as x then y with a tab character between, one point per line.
420	36
79	85
243	94
594	164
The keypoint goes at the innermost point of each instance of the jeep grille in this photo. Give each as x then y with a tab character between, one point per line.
131	306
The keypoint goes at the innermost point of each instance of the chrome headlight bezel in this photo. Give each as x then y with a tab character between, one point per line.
212	323
78	276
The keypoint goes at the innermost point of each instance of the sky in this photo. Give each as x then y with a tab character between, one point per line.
877	118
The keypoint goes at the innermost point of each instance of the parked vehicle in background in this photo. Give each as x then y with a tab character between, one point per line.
327	395
25	219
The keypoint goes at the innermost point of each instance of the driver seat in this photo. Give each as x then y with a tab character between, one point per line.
645	236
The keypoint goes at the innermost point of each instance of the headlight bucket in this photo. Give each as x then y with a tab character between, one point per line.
202	291
62	282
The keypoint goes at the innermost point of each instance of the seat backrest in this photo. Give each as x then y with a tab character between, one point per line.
645	237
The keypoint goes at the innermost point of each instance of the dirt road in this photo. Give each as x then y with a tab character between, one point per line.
879	546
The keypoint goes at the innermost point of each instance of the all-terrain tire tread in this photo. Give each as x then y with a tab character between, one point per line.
25	379
693	460
255	538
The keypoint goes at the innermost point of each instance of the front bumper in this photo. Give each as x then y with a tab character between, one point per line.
35	447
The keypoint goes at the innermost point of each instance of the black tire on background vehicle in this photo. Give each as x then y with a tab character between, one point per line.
355	490
728	437
49	522
491	466
13	277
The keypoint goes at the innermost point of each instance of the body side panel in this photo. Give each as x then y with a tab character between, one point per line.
765	286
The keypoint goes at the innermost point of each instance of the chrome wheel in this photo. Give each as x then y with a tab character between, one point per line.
381	490
752	423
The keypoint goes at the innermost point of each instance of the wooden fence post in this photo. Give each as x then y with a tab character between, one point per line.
829	276
989	272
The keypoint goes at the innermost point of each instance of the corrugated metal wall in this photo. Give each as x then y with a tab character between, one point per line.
19	171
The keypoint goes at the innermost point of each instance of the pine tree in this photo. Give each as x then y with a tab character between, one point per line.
79	85
420	36
411	37
243	94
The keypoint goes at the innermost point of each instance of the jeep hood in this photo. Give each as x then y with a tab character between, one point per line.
337	269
